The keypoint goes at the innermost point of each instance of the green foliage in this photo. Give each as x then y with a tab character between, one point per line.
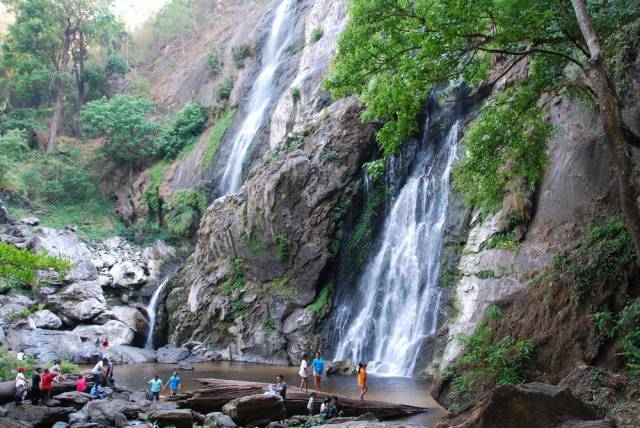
238	308
223	90
157	171
182	130
95	82
283	247
125	123
253	245
501	241
27	119
184	211
295	93
360	238
323	300
18	267
505	142
13	147
139	86
235	276
279	286
217	134
602	256
240	53
272	157
625	327
214	61
487	360
316	35
9	365
486	274
116	65
296	143
375	169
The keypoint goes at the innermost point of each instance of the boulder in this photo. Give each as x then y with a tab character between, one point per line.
257	407
75	399
533	405
79	301
4	215
12	423
60	243
132	355
178	418
45	319
46	345
39	416
87	353
171	355
105	412
117	332
342	368
60	425
84	270
77	418
219	420
30	221
131	317
183	365
128	274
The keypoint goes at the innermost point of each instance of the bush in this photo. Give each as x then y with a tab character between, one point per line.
316	34
235	277
13	147
94	82
322	302
9	365
214	60
184	211
625	326
182	130
240	53
125	123
295	93
487	360
223	91
116	65
18	267
217	134
283	247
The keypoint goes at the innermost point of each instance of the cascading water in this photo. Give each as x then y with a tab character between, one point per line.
151	310
398	294
260	95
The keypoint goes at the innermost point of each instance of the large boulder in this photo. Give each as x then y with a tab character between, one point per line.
219	420
533	405
252	408
117	332
46	345
84	270
106	412
80	301
75	399
178	418
128	274
45	319
342	368
124	354
131	317
171	355
38	416
11	305
60	243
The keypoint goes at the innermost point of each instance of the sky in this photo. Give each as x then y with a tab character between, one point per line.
134	12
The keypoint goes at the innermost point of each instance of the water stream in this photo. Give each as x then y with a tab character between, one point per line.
397	295
260	95
151	310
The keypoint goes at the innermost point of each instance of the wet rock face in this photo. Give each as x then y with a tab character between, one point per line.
260	253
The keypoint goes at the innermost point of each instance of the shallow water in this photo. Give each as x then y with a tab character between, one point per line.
391	389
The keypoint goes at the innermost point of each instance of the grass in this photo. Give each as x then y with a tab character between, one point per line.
157	171
217	134
322	301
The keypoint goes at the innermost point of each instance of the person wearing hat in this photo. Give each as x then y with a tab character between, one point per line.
21	386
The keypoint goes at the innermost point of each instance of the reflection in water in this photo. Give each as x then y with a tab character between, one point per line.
392	389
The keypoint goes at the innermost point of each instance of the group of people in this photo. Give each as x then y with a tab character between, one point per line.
41	384
318	370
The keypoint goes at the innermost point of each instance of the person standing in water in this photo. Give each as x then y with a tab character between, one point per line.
304	375
174	383
362	379
318	369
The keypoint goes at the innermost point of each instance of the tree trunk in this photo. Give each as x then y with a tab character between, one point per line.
61	91
609	105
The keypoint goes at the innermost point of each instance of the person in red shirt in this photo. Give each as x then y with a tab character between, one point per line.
45	388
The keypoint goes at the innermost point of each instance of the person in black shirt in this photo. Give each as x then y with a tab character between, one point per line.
35	387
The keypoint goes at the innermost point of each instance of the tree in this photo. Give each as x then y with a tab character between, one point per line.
124	122
46	36
393	53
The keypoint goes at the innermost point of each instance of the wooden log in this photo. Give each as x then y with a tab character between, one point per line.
215	393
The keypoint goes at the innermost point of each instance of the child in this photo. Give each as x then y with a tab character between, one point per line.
362	379
81	384
311	402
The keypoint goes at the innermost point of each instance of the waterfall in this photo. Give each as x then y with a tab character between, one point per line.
397	302
151	311
260	95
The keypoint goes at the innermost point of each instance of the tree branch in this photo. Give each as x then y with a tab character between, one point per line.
534	50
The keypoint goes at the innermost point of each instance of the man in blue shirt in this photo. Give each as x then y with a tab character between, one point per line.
318	368
174	383
156	386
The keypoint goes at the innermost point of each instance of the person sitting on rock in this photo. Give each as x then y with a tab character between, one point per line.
56	371
81	384
332	409
280	387
21	386
98	391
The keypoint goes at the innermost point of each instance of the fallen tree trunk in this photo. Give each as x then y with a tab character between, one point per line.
215	393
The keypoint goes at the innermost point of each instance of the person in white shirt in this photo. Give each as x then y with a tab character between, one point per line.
311	403
304	373
20	356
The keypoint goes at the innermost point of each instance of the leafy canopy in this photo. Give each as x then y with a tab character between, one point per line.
18	267
125	123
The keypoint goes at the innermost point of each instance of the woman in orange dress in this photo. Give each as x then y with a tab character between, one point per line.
362	379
